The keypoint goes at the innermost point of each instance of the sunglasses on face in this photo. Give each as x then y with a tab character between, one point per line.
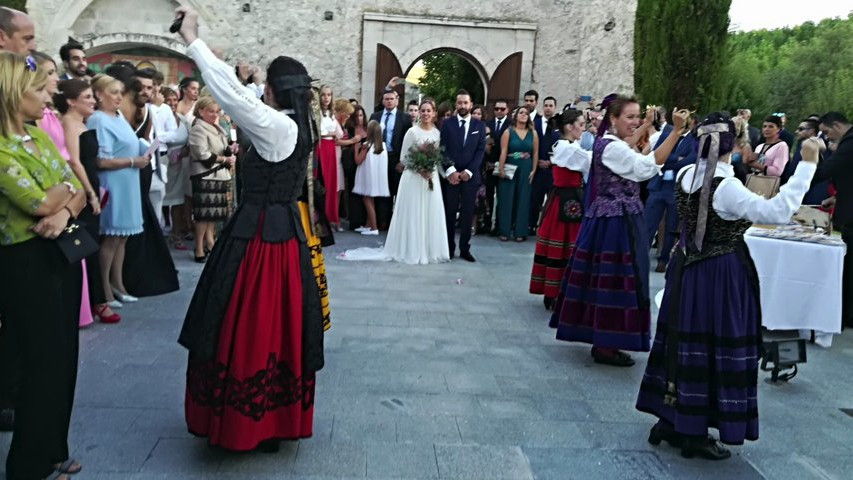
500	109
803	129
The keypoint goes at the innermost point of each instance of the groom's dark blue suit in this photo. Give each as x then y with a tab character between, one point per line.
462	153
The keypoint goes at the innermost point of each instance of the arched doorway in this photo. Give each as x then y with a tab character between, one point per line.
391	42
441	72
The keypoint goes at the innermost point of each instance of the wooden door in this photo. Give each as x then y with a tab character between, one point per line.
387	66
505	84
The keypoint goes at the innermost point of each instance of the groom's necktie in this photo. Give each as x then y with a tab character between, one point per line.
462	129
498	127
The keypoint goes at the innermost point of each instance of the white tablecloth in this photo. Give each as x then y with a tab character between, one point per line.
800	285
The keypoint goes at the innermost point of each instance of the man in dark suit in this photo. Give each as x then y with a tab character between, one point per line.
544	179
661	198
74	60
498	126
395	123
464	140
838	167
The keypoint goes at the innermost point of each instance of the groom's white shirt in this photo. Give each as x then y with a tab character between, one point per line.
452	169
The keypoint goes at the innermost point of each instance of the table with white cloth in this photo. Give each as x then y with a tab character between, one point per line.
800	285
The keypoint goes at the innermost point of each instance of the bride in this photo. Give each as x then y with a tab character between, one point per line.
418	234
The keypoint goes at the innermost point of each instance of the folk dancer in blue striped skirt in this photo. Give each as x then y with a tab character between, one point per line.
604	296
703	369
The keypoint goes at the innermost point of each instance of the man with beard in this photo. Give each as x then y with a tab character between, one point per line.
148	266
74	60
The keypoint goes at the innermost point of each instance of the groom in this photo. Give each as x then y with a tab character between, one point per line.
464	140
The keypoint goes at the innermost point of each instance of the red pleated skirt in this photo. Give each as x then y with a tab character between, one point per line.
554	246
329	165
254	390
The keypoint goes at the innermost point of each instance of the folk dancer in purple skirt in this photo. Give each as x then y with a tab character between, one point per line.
703	369
604	296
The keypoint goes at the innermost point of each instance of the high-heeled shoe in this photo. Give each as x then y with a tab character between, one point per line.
124	297
99	314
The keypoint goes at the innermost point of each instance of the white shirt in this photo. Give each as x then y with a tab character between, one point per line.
459	119
732	200
273	133
166	128
570	155
626	162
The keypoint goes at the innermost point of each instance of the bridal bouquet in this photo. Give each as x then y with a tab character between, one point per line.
424	158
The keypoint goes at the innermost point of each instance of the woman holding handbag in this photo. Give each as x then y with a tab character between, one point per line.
561	224
40	290
212	160
771	156
519	149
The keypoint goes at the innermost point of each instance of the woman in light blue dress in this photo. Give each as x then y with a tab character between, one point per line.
119	161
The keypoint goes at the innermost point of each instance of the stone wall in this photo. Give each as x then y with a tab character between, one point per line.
573	54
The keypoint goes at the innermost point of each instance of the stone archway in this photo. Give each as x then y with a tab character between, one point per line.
481	71
392	41
116	41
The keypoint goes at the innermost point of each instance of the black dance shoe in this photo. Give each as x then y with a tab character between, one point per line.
704	447
269	446
7	420
616	359
549	303
664	432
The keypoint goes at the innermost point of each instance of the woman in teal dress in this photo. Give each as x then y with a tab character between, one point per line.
519	147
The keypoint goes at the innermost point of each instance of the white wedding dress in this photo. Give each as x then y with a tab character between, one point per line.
418	233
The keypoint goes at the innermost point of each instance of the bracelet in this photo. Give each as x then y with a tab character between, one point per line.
131	162
70	213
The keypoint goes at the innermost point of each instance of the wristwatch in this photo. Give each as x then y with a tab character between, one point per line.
70	187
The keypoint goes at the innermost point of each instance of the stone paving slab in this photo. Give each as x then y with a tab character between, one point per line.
429	377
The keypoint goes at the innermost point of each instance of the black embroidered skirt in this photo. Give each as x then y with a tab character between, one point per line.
210	200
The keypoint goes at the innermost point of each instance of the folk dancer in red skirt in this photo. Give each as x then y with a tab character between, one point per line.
564	212
604	296
254	328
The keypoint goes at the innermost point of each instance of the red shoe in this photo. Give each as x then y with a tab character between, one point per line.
99	314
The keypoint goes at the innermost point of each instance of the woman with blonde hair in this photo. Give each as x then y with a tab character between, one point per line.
742	148
119	160
40	289
345	155
210	172
327	154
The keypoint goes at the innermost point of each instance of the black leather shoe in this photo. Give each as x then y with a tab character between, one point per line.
269	446
452	254
617	359
7	420
663	432
704	447
549	303
467	257
661	267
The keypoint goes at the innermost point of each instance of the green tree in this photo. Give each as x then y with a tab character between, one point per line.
16	4
678	62
445	73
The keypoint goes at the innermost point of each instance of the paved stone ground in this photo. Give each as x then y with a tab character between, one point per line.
429	378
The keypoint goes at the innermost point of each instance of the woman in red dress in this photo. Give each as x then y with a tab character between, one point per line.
564	211
327	153
254	328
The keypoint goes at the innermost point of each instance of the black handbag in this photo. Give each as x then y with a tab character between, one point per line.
571	204
76	243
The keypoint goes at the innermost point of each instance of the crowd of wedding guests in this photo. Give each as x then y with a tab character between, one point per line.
137	165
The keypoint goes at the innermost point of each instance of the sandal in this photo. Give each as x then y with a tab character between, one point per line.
68	467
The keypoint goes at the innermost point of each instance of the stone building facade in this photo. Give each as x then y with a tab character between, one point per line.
564	47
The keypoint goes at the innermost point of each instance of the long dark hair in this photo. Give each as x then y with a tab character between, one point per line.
291	88
568	117
352	121
68	90
529	124
184	84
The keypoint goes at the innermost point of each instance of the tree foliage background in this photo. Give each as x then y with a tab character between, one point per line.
16	4
445	73
685	57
